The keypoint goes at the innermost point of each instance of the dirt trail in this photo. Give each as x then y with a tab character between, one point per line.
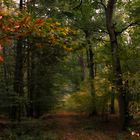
72	126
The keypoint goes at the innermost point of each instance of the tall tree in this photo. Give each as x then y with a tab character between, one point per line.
18	76
123	108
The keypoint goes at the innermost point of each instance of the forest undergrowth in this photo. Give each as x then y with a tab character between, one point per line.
67	126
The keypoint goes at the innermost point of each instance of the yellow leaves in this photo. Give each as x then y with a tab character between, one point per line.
53	39
64	34
68	49
40	33
50	19
4	12
25	20
38	28
66	30
21	25
57	23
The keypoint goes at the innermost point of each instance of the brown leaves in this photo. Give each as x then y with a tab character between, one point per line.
39	22
21	25
1	59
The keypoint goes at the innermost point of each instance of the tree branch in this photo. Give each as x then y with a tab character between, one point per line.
78	6
130	25
104	6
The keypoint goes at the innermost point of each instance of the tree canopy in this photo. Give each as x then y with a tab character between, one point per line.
78	56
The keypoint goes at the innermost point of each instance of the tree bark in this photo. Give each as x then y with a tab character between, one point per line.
5	73
116	63
17	109
18	80
90	59
82	65
30	82
21	4
112	105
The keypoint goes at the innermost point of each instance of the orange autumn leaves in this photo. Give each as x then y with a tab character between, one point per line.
15	27
21	25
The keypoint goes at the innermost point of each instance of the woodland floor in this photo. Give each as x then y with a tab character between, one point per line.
72	126
66	126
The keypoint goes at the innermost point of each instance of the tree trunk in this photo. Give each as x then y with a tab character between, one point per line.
30	83
90	62
18	80
17	109
33	106
82	65
21	4
112	105
116	62
5	72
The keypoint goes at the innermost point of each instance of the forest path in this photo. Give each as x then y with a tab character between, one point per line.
74	126
67	126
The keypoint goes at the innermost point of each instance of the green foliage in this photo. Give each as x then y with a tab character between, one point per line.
78	102
27	130
53	50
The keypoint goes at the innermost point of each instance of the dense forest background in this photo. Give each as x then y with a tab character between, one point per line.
69	56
